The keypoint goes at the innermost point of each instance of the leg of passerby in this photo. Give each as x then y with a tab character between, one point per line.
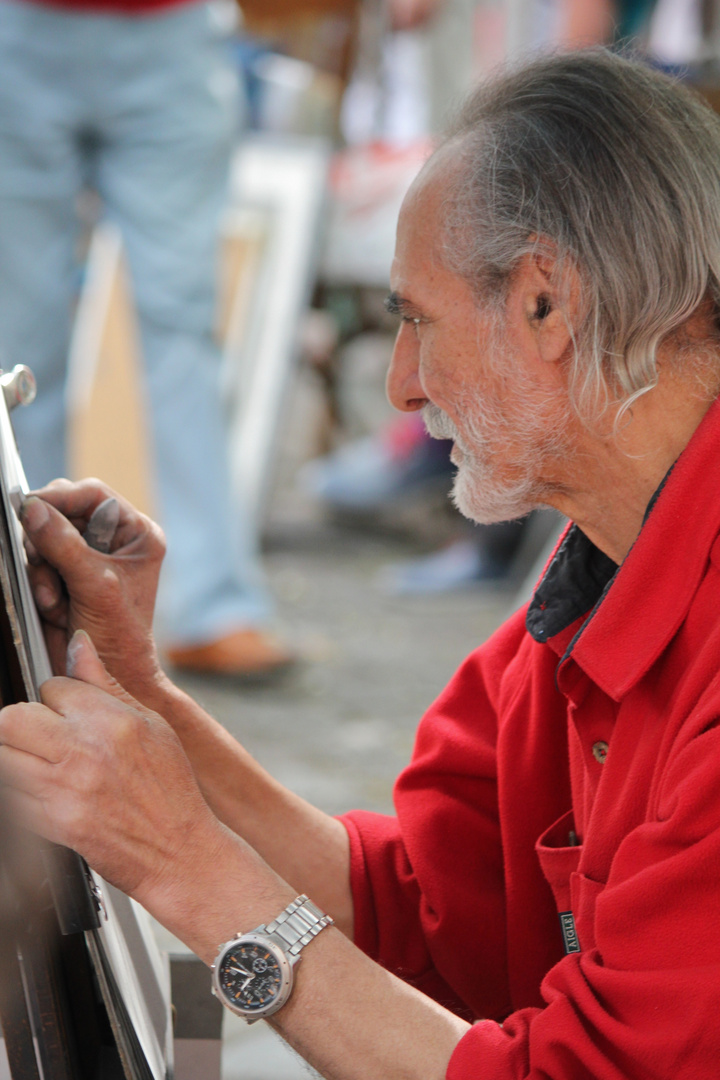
171	120
40	175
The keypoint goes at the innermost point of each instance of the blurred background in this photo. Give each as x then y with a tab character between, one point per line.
197	216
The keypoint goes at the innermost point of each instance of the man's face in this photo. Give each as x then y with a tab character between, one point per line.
472	372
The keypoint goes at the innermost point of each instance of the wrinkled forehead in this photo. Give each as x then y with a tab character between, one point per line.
421	219
421	277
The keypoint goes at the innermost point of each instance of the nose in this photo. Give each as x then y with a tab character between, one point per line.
403	386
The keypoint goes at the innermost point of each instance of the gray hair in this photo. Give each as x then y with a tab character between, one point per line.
616	169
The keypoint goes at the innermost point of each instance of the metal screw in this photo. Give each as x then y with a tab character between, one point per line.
19	386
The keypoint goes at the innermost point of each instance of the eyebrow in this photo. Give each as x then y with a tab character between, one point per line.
397	305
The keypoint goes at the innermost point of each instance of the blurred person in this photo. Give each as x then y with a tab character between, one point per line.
399	463
687	32
138	100
448	36
584	23
377	471
580	23
544	902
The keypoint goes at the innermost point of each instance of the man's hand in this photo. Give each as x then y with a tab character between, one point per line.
92	769
112	596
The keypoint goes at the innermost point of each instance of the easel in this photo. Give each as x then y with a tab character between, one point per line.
84	990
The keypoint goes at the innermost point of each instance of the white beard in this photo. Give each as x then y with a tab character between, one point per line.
490	486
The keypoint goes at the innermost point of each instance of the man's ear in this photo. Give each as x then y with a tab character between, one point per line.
544	303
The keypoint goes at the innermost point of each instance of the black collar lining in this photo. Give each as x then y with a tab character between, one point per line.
574	583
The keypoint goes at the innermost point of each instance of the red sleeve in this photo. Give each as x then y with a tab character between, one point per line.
378	861
642	1003
446	831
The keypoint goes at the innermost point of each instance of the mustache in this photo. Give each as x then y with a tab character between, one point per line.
437	423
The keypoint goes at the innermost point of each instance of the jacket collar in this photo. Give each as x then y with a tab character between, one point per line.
635	609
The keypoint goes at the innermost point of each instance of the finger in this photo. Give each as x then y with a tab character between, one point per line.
24	771
75	499
102	526
31	813
30	553
78	502
57	541
35	729
49	593
56	642
84	664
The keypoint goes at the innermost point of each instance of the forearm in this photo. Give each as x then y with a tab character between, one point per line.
352	1020
347	1016
89	753
309	849
110	597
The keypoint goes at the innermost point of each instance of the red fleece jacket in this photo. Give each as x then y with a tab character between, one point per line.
580	775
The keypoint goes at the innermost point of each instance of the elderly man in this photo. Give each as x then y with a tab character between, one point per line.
545	903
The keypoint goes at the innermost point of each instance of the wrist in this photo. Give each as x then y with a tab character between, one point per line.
133	662
160	694
253	974
216	886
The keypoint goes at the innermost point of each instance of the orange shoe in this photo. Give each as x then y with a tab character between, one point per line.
249	653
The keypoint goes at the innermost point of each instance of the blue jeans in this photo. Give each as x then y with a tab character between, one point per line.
145	110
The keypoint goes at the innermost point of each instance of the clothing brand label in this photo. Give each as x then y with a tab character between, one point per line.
569	933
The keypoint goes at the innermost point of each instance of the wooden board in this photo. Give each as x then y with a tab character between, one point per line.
108	433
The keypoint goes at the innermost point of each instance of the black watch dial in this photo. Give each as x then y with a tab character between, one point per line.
250	977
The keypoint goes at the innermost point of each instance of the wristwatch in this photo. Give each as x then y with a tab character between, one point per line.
253	973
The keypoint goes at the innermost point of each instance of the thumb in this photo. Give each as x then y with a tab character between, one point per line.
56	540
82	662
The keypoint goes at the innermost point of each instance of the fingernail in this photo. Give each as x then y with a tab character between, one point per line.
45	597
75	644
34	512
102	525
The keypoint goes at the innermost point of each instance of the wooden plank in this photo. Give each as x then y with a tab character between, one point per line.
108	432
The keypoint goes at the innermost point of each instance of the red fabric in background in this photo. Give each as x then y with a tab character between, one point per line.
463	889
113	7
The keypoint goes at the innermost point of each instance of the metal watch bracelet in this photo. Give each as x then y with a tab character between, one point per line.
297	925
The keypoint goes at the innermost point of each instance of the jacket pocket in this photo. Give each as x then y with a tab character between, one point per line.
559	858
584	892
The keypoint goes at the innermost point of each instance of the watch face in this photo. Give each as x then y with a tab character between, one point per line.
253	977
